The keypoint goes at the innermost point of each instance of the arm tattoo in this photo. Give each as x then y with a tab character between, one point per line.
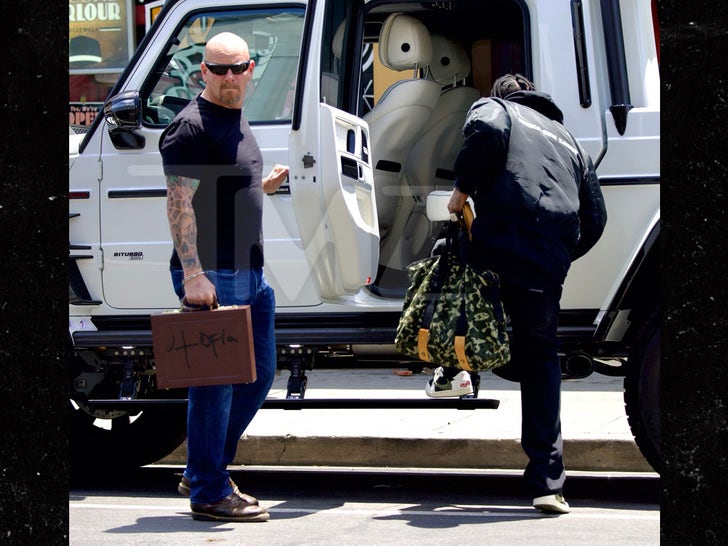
182	221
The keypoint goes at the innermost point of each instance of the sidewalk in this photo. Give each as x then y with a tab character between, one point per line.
594	427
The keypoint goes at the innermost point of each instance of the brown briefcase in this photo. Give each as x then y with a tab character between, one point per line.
193	349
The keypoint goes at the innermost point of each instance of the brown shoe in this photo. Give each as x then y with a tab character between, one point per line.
231	508
184	489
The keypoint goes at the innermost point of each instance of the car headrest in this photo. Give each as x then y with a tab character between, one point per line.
337	45
404	43
450	62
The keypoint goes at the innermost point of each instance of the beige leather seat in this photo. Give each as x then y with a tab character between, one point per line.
401	113
330	80
430	161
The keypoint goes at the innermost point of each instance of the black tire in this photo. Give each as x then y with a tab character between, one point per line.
642	391
117	442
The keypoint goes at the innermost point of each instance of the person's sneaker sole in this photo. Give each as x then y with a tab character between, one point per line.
460	391
552	504
449	393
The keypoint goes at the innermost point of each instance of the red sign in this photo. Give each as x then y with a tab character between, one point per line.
83	113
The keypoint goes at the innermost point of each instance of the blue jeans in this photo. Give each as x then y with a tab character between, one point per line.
535	362
218	415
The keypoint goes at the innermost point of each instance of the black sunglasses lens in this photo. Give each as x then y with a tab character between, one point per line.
240	67
221	69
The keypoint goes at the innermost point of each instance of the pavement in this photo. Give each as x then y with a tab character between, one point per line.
594	427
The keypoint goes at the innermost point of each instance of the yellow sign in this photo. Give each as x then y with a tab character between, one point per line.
151	10
100	35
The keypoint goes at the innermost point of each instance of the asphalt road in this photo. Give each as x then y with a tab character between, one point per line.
320	506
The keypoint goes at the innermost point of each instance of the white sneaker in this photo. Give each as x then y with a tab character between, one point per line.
441	386
553	504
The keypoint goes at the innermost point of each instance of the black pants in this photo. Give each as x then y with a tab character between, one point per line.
535	363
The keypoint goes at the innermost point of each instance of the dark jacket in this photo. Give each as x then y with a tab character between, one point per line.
537	199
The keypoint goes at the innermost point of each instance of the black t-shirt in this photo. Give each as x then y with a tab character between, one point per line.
216	146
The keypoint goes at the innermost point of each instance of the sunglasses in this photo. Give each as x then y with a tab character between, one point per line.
221	69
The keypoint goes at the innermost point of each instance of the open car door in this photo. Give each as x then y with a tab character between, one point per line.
331	179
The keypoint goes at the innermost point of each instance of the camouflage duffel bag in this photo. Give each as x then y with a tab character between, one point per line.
453	315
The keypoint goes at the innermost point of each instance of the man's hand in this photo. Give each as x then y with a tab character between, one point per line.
276	177
199	291
457	201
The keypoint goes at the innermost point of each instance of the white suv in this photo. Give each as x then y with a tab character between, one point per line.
364	100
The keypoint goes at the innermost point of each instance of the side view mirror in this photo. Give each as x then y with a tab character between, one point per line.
123	114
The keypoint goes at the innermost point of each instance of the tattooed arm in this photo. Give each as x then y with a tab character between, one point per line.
183	226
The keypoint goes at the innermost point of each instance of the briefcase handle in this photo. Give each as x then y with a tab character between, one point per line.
188	307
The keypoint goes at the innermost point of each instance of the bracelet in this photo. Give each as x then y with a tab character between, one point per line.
190	277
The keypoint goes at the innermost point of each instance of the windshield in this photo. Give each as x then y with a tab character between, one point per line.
274	37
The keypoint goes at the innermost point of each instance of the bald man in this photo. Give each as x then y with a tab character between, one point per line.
215	192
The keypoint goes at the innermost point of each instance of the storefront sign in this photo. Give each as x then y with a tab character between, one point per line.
100	35
83	113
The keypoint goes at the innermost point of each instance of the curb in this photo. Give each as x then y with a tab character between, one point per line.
582	455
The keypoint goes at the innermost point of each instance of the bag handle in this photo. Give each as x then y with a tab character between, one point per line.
468	218
465	217
452	231
450	256
190	307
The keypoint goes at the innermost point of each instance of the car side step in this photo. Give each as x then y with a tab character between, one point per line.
324	403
